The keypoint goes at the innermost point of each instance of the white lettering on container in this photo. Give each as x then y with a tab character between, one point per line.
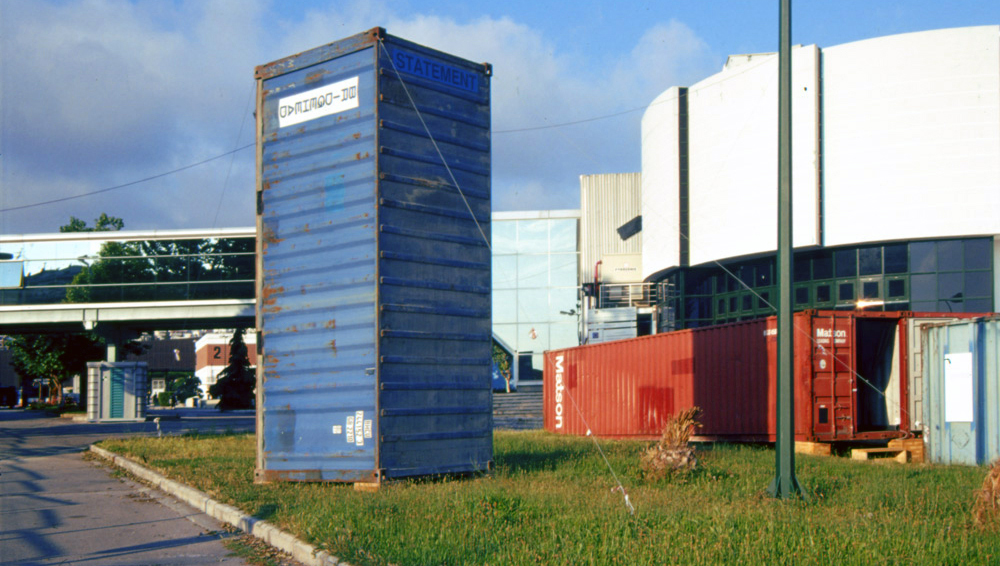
559	391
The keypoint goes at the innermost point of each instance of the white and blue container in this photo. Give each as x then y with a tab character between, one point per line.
116	391
962	391
373	220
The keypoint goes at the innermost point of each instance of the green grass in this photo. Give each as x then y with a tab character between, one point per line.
550	501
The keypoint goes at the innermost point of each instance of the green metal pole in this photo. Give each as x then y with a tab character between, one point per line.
784	484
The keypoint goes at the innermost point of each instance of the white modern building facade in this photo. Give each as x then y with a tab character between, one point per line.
896	179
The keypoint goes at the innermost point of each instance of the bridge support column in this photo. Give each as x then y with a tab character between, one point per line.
115	337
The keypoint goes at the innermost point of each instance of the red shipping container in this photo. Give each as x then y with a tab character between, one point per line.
850	375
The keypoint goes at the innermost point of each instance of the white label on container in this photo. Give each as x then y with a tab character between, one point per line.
318	102
337	429
350	430
368	428
359	434
958	400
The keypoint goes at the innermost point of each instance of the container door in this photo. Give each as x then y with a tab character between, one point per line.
833	365
117	405
877	374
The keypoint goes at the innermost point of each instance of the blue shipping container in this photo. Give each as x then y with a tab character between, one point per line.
962	391
374	264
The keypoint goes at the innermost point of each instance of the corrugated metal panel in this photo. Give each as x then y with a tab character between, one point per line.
962	391
375	298
850	380
607	202
915	361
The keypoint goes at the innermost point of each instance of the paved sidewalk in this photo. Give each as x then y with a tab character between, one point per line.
57	508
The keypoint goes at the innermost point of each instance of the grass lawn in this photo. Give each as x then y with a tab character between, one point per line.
550	501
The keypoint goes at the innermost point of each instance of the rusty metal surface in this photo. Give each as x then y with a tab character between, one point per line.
375	298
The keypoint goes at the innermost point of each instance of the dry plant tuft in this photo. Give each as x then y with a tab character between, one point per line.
672	454
986	510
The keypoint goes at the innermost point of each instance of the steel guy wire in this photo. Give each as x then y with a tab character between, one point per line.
444	162
619	487
229	171
593	437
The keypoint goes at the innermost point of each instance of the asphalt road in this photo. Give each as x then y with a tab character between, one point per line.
58	508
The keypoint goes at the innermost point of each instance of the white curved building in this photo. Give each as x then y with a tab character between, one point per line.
896	179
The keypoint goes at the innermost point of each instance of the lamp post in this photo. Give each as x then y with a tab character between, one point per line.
785	484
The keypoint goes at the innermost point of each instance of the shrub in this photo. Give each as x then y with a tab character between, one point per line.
672	454
987	506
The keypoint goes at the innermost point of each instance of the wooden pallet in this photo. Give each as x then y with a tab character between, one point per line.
812	448
915	446
897	454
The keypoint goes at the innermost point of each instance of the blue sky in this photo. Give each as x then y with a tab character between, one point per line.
100	93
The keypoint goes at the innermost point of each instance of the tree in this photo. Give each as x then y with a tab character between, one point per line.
184	387
102	223
53	357
236	383
56	357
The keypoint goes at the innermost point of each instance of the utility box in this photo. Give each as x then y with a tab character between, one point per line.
116	392
373	222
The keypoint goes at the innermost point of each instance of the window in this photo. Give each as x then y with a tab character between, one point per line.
923	257
846	263
822	267
895	258
747	303
950	255
822	293
869	290
764	278
870	261
977	253
801	270
845	292
763	300
951	285
978	284
923	287
896	288
802	295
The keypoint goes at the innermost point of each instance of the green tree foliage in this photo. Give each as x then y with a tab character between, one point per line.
236	383
56	357
102	223
53	357
503	361
165	270
182	388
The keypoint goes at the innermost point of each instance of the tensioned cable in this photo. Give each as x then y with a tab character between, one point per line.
620	487
129	184
229	172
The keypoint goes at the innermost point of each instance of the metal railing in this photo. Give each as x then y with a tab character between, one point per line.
616	295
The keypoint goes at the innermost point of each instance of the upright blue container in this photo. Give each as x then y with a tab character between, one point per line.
374	275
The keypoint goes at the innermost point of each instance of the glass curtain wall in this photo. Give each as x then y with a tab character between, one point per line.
924	276
535	283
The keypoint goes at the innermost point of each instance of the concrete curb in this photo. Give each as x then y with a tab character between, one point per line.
301	551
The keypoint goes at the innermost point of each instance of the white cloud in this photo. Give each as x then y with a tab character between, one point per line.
102	92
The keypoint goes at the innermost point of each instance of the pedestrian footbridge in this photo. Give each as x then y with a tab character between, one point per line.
121	283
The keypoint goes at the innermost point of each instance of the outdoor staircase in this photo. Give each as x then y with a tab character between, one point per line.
519	410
